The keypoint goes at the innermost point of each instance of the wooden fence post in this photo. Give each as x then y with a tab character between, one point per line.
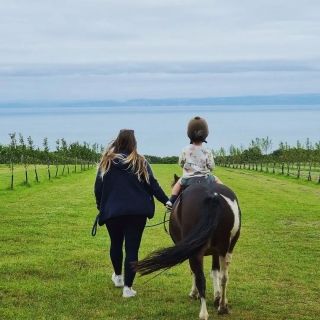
273	169
48	169
12	177
309	174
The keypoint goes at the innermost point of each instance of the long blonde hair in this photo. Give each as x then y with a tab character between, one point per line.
125	141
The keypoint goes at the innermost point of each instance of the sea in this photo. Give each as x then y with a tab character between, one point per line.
162	130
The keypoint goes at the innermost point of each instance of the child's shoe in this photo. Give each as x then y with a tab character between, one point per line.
117	280
128	292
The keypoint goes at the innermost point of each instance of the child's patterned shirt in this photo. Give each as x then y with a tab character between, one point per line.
196	161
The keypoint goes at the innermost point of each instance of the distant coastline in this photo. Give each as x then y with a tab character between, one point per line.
272	100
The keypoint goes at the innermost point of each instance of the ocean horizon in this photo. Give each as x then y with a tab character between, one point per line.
161	130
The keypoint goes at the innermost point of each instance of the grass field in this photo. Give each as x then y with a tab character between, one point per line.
52	268
289	169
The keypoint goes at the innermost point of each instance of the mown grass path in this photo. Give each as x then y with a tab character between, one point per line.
52	268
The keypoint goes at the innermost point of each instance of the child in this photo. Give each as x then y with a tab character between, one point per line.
195	159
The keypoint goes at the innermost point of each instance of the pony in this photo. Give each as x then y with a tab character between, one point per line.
205	220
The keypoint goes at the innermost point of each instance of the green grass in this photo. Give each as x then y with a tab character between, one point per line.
52	268
19	175
292	172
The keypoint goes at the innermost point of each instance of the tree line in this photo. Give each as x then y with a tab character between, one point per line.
66	155
19	151
65	159
69	156
285	158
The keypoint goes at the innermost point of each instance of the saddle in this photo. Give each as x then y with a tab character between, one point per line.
194	180
189	182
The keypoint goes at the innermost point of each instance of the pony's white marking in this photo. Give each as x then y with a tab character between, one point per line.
235	209
224	268
215	276
203	312
194	291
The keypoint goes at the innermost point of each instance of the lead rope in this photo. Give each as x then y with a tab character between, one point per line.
163	222
95	224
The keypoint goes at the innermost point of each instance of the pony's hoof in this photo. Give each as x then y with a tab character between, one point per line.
216	302
223	310
194	296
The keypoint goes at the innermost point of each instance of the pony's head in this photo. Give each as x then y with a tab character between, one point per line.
175	179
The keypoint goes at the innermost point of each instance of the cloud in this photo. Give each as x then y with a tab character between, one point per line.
143	42
131	86
175	67
83	31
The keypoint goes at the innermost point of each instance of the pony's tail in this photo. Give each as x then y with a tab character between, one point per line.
189	246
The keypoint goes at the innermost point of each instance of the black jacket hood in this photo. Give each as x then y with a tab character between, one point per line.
119	163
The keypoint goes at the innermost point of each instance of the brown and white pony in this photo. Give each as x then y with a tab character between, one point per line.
205	220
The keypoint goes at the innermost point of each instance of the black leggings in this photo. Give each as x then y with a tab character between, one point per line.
126	229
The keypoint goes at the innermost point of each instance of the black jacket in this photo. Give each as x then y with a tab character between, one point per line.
120	193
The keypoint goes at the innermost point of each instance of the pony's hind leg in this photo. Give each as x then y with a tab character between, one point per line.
196	264
215	276
224	269
194	291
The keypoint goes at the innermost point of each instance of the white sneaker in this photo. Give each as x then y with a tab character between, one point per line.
118	282
169	205
128	293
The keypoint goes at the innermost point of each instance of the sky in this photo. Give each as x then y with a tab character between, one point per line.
122	49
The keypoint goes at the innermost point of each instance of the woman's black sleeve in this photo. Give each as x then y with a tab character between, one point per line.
155	187
98	189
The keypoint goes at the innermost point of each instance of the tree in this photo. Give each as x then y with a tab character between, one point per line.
266	146
31	151
57	156
24	156
46	151
12	155
252	154
64	152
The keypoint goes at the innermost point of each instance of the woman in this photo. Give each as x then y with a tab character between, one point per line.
124	191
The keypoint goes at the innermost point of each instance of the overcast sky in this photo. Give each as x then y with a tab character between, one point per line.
123	49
